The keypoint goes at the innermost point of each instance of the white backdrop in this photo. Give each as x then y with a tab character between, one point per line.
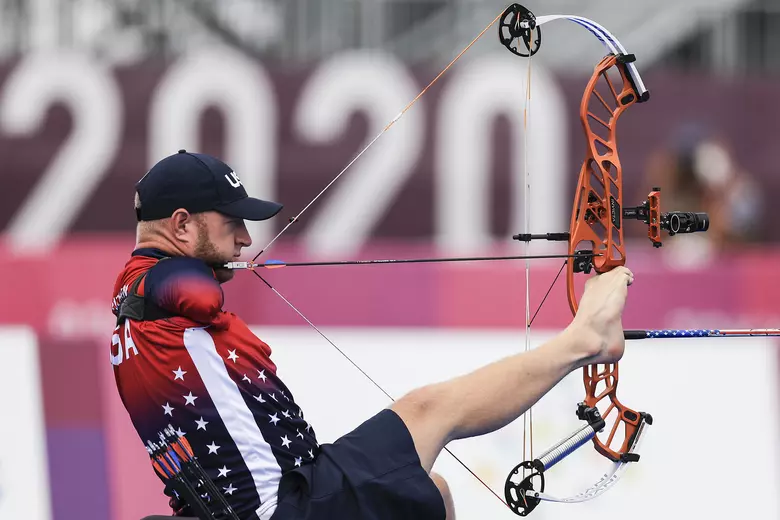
712	451
24	481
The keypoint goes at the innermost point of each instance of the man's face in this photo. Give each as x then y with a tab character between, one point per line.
220	239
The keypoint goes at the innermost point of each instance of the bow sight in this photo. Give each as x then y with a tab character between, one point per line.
673	222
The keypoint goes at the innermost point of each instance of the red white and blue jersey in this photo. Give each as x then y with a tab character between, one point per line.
203	371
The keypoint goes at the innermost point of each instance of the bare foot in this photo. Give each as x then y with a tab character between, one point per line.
598	324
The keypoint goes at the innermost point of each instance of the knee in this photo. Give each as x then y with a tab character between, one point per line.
425	406
444	489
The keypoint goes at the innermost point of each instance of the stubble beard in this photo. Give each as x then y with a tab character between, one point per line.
206	250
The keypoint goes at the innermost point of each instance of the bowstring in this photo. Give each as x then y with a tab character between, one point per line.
378	136
349	165
528	417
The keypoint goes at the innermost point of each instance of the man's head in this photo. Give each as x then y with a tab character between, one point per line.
195	205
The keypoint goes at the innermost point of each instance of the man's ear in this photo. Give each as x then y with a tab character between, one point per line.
182	223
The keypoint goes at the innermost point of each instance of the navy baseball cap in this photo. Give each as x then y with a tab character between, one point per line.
197	182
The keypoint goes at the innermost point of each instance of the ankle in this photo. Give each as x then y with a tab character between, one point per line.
585	344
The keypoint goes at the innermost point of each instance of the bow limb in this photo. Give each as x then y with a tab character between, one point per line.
612	44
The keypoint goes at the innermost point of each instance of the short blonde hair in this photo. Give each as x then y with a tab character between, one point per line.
146	228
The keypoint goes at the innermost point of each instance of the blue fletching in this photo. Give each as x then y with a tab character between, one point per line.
271	264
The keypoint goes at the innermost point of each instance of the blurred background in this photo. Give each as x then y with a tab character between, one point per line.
93	92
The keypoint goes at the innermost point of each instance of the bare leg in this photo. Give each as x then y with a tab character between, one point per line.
444	489
493	396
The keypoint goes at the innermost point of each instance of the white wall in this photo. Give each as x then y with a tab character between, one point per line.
24	481
712	452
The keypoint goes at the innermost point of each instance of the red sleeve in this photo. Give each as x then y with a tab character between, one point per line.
186	287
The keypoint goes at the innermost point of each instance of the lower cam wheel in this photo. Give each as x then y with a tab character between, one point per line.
515	492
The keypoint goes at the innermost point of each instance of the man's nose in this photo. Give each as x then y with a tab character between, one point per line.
243	237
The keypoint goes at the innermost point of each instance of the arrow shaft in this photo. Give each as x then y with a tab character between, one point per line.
270	265
698	333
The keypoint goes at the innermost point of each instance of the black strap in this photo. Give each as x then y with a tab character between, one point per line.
138	308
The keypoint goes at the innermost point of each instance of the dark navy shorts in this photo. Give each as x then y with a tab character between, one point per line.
372	473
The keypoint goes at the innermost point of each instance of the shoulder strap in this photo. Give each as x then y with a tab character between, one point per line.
137	308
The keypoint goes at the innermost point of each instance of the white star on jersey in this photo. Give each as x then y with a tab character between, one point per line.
245	378
229	490
261	375
213	447
223	471
232	355
285	442
201	424
179	374
168	409
259	398
298	461
190	399
274	419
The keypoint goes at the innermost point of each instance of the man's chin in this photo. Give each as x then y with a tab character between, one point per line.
223	274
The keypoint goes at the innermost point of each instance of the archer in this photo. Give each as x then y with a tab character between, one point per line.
199	371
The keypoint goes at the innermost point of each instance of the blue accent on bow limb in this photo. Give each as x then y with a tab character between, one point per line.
593	30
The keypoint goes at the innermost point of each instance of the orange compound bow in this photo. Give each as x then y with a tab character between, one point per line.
595	244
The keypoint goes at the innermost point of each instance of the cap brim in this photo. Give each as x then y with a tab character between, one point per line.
250	209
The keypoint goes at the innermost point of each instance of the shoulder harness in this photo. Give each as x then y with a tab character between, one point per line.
138	308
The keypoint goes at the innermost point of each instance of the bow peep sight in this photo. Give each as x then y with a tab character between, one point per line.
517	24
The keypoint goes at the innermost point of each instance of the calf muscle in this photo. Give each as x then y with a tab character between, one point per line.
486	399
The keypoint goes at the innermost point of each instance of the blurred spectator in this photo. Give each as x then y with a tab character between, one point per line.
698	172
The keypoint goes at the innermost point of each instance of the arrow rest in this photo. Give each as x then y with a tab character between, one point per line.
582	261
518	23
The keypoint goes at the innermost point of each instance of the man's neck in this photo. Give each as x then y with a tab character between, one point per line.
160	244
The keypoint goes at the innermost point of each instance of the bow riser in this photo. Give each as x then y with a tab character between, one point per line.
597	218
596	225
